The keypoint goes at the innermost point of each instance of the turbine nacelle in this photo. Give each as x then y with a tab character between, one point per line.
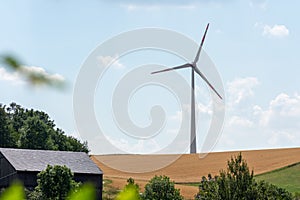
193	65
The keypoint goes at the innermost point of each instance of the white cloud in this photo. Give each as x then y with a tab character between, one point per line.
9	76
278	31
19	76
205	109
133	5
262	4
130	7
156	7
276	138
111	61
42	71
250	125
177	117
136	146
257	110
283	113
218	31
240	89
237	121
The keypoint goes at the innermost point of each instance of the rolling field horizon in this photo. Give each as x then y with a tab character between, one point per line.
189	168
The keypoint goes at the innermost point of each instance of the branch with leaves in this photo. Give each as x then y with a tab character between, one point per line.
34	75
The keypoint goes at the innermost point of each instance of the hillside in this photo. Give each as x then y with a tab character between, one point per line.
286	177
189	168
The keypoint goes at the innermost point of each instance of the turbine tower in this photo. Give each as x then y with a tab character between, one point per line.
194	69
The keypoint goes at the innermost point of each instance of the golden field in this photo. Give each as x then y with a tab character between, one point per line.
188	168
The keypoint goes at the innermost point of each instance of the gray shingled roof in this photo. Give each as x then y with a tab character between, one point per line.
37	160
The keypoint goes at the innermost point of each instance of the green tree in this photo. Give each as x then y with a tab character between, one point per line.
269	191
237	183
17	118
74	144
35	134
208	189
55	182
161	188
33	129
6	138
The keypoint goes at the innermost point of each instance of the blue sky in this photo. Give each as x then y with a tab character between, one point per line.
253	43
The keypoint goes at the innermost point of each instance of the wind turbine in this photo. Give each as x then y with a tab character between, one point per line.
194	69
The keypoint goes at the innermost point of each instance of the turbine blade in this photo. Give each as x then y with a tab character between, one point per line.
199	50
173	68
208	83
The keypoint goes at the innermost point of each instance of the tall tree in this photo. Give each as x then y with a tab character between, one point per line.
235	183
35	134
6	138
33	129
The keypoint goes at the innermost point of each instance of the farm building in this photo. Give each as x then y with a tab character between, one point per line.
25	164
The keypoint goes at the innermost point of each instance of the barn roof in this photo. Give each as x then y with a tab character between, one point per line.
37	160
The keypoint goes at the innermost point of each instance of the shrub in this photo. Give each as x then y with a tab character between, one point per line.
237	183
55	182
160	187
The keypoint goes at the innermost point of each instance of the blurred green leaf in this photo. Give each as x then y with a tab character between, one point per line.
41	79
130	192
14	192
86	191
34	78
11	62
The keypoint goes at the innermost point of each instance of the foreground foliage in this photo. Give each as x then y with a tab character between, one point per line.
34	78
237	183
32	129
16	192
130	191
84	192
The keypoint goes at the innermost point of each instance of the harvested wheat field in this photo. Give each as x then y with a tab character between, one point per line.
188	168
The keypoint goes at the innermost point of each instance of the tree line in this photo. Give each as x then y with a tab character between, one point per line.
32	129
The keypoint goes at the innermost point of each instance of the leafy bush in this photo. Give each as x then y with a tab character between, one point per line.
55	183
237	183
266	190
109	192
297	196
160	187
